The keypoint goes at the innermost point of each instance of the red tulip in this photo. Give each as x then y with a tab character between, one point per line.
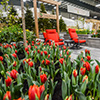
7	96
75	73
33	90
47	62
30	64
42	62
64	47
33	42
45	52
14	63
13	74
41	53
29	46
41	89
14	55
14	45
61	60
26	49
59	49
86	50
87	65
43	78
88	57
15	51
48	55
5	46
28	52
85	78
40	69
97	69
83	70
8	81
67	52
38	51
35	47
1	58
70	98
47	97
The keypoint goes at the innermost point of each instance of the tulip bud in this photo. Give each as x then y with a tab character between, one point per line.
2	72
40	69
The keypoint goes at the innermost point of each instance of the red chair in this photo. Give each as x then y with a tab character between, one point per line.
74	36
52	35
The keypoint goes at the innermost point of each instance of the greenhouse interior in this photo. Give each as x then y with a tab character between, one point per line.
49	50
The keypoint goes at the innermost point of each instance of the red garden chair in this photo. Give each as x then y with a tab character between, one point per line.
52	35
74	37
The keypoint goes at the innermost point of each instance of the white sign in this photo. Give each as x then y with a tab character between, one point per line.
78	11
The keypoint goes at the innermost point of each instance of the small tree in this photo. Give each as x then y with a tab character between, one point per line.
53	21
62	25
29	19
44	23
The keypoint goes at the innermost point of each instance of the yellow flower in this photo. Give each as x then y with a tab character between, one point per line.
0	31
27	30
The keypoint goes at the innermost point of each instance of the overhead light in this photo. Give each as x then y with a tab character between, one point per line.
95	16
98	5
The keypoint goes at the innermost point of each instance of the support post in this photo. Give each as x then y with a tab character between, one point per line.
57	14
23	22
35	16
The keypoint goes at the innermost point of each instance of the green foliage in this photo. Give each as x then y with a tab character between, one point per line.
14	34
29	21
12	11
53	21
62	25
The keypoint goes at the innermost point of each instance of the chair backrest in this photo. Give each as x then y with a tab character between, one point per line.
45	36
73	34
52	35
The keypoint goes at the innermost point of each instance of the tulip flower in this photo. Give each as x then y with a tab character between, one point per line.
41	89
75	73
14	55
87	65
30	64
7	96
48	55
8	81
64	47
14	45
41	53
45	52
61	60
88	57
70	98
14	63
47	97
1	58
15	51
83	70
13	74
33	90
97	69
26	49
86	50
42	62
38	51
47	62
43	78
29	46
85	78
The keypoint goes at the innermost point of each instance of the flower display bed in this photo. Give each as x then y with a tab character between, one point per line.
43	72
